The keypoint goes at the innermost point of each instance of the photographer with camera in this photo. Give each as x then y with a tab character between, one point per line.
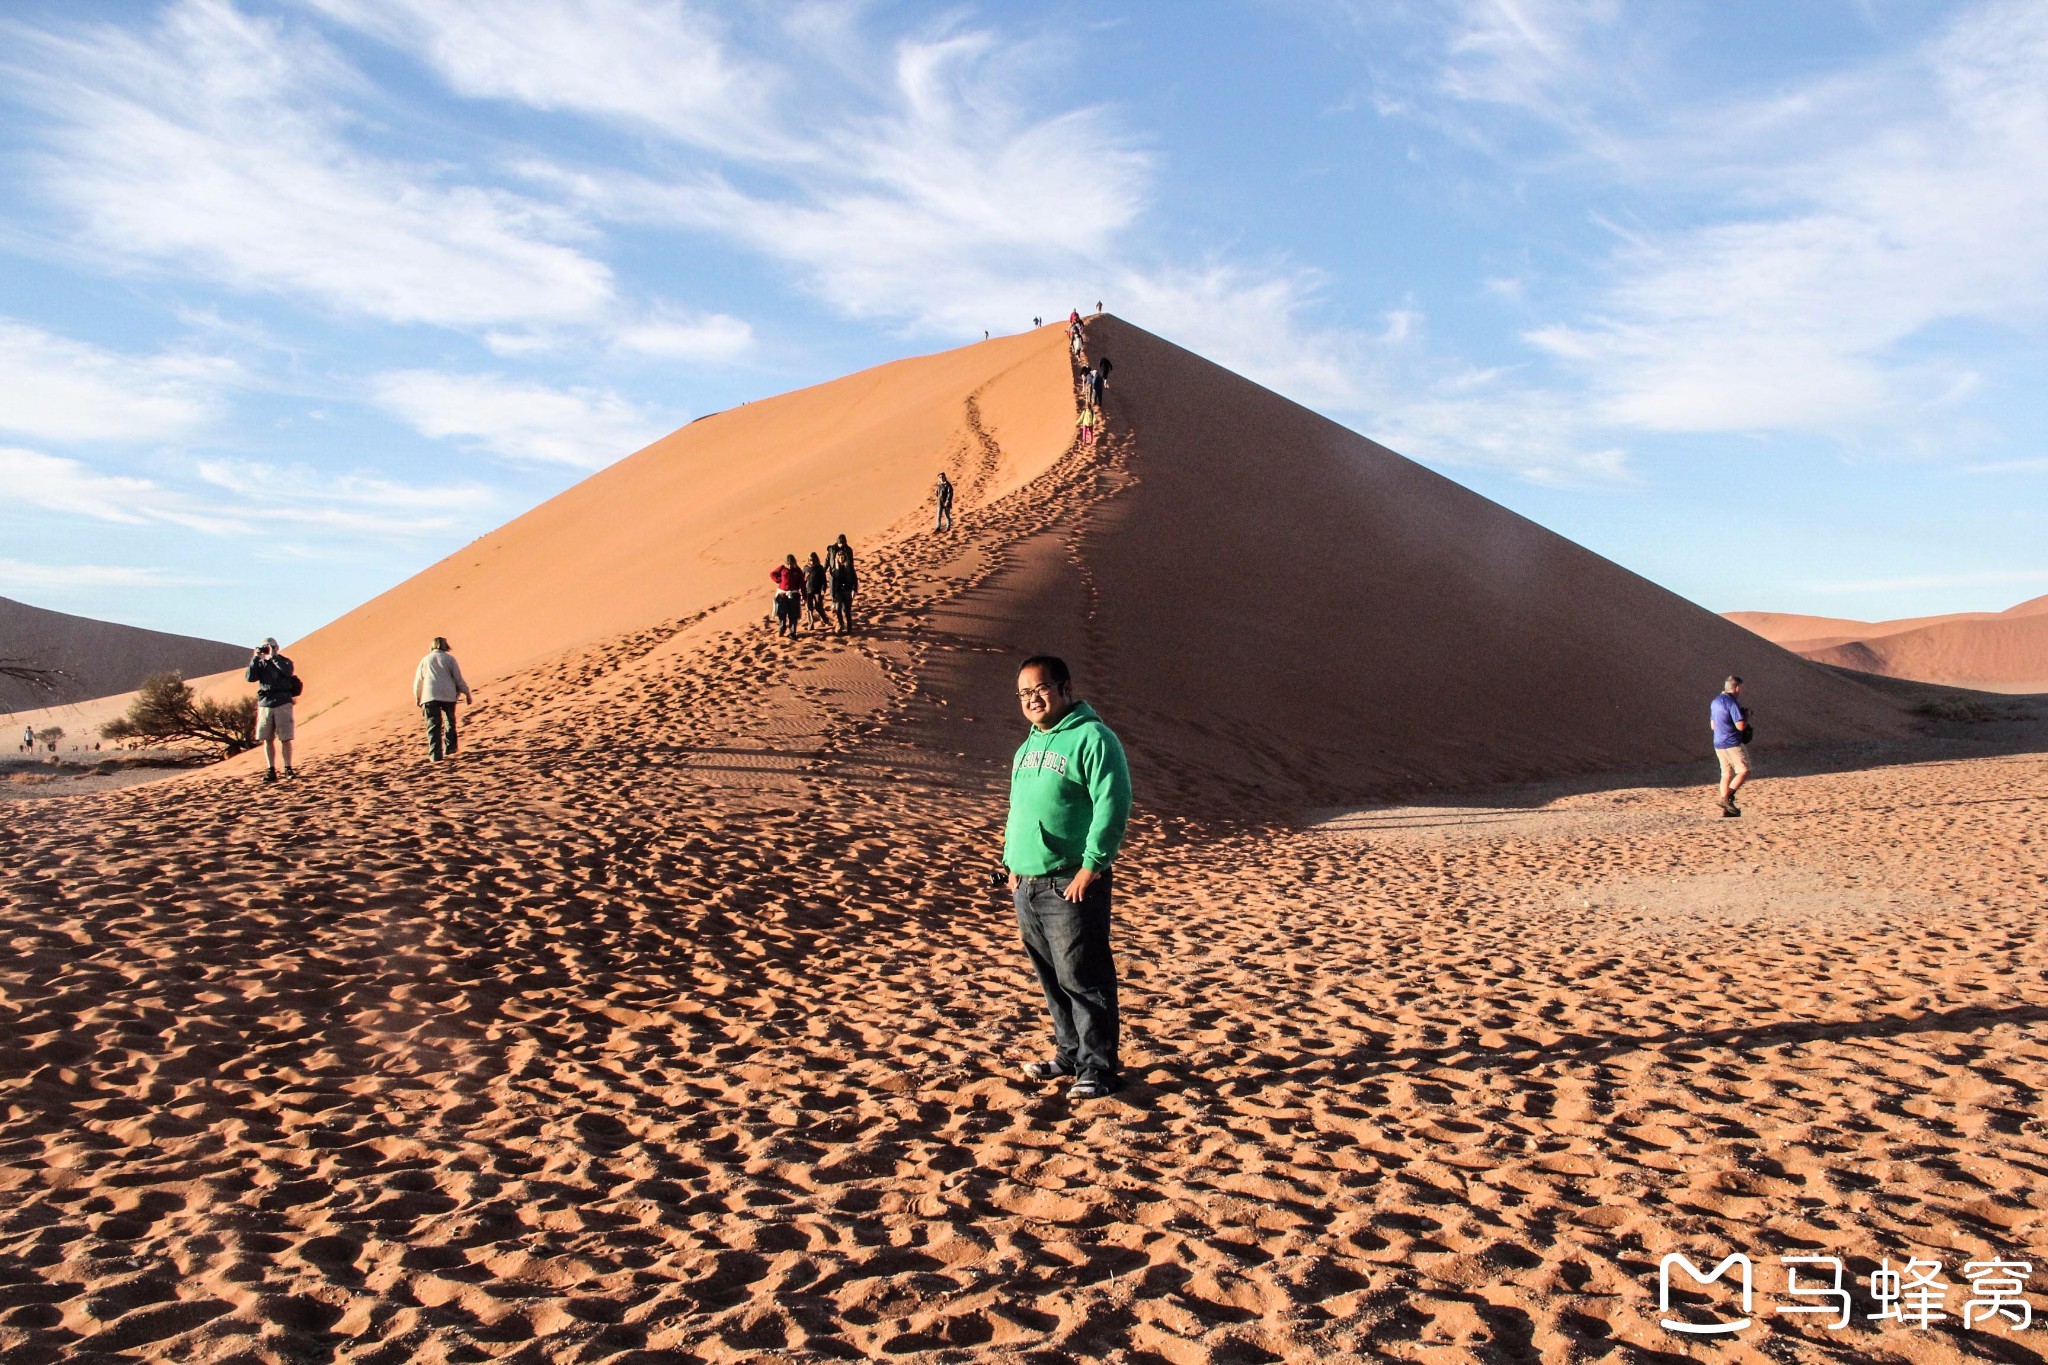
275	691
1070	798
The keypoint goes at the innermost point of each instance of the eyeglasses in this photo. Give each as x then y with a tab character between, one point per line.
1044	690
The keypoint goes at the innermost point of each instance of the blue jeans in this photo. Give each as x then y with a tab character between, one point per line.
1069	948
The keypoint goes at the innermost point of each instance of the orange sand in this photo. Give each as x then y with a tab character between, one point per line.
2003	651
673	1021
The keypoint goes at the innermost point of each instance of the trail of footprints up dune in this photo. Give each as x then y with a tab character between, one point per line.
674	1021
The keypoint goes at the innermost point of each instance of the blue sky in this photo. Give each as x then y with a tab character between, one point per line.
296	296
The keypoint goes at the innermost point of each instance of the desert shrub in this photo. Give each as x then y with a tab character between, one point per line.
1968	710
50	735
166	712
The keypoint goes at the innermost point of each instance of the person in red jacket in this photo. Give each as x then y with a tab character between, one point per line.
789	596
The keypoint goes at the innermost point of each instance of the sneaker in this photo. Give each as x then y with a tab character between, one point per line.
292	773
1728	810
1046	1071
1090	1090
270	774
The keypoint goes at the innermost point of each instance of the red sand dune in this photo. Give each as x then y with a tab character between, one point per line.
2004	651
677	1019
1259	594
94	658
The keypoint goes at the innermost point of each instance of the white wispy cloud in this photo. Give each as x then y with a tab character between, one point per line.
223	497
56	484
656	65
216	143
18	575
1874	208
353	503
519	420
58	388
709	338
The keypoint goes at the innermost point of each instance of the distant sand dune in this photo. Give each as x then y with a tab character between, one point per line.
95	658
1992	651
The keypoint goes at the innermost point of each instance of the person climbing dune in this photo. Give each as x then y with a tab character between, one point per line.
789	596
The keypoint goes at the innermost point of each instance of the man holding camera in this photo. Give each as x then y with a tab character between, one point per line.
272	674
1070	797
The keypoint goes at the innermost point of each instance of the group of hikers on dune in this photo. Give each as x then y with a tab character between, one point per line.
800	589
1070	789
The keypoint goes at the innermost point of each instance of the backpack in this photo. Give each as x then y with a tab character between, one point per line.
298	686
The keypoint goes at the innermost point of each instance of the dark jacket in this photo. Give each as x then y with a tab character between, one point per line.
273	679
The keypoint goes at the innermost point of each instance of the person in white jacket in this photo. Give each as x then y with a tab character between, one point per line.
436	683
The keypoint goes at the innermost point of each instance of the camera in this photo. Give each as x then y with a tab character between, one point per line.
998	879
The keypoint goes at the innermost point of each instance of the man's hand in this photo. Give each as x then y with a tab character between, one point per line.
1013	881
1078	887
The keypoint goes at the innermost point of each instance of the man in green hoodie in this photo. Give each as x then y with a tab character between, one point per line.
1070	796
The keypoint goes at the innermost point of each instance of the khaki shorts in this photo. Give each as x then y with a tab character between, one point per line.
274	722
1734	761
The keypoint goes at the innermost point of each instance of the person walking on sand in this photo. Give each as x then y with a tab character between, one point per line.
1091	380
814	590
1086	421
276	688
789	596
839	564
1070	799
945	495
1731	742
436	683
1102	369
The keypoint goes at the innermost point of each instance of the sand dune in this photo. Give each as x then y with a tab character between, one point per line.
691	525
674	1019
686	1031
1270	600
97	658
2003	651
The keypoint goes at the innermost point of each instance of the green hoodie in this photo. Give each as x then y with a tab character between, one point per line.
1070	794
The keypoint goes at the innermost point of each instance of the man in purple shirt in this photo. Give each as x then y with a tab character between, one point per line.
1731	742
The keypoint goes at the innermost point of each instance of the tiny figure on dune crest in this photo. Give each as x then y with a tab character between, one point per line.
277	688
1102	369
1098	305
814	590
1070	799
789	596
1074	320
1732	734
436	683
845	583
944	493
